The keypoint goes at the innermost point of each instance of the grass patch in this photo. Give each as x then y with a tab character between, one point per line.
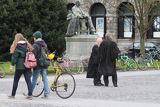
119	65
6	67
151	66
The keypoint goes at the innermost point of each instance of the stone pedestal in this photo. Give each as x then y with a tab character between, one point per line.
80	45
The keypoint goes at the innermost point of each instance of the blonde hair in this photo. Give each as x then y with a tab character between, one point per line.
19	37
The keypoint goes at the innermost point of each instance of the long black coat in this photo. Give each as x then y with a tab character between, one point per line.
93	63
108	52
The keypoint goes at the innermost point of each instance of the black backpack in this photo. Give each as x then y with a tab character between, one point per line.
42	58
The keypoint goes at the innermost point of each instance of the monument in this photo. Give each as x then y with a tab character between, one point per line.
81	34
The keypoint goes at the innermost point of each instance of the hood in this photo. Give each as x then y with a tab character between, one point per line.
40	42
21	48
22	45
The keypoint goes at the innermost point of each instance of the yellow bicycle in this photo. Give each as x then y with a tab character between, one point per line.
63	82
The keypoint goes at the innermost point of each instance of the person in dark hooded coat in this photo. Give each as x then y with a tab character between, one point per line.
38	44
93	64
108	53
18	50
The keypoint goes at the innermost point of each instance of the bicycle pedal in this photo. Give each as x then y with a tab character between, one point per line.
52	88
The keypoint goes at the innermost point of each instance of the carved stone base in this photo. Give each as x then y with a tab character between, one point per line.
80	45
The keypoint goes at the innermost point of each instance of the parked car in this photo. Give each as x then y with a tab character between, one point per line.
149	46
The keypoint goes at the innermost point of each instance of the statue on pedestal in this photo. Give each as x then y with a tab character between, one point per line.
78	21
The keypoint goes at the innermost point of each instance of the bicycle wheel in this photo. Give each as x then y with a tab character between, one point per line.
120	65
147	57
84	62
79	66
155	64
68	64
132	64
142	64
38	90
75	66
158	56
2	72
65	85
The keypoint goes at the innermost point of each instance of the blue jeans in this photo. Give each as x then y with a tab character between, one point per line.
43	73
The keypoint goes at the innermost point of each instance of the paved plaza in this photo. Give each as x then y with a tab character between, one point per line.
135	89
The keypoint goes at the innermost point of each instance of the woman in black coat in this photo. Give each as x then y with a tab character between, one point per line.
93	64
108	53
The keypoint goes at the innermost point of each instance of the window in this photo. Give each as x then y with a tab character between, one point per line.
127	27
98	15
156	27
100	26
154	19
126	21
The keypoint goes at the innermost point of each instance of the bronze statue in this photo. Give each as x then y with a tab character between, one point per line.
77	17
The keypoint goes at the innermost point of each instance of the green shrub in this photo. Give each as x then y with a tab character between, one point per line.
28	16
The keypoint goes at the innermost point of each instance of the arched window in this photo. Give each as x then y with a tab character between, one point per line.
126	21
98	15
154	19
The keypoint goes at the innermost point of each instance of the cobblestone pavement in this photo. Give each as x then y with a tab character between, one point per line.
140	89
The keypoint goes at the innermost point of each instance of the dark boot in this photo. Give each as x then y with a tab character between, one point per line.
115	85
106	81
99	84
114	80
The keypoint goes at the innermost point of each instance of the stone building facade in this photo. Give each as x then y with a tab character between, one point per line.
107	19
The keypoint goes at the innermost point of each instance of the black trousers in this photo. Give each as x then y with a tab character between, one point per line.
27	75
114	79
97	78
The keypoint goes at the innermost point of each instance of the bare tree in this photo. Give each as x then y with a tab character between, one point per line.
144	16
144	12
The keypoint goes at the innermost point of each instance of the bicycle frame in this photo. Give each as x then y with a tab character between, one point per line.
130	63
59	82
57	69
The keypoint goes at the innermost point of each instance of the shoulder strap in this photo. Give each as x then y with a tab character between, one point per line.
37	46
38	54
41	47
